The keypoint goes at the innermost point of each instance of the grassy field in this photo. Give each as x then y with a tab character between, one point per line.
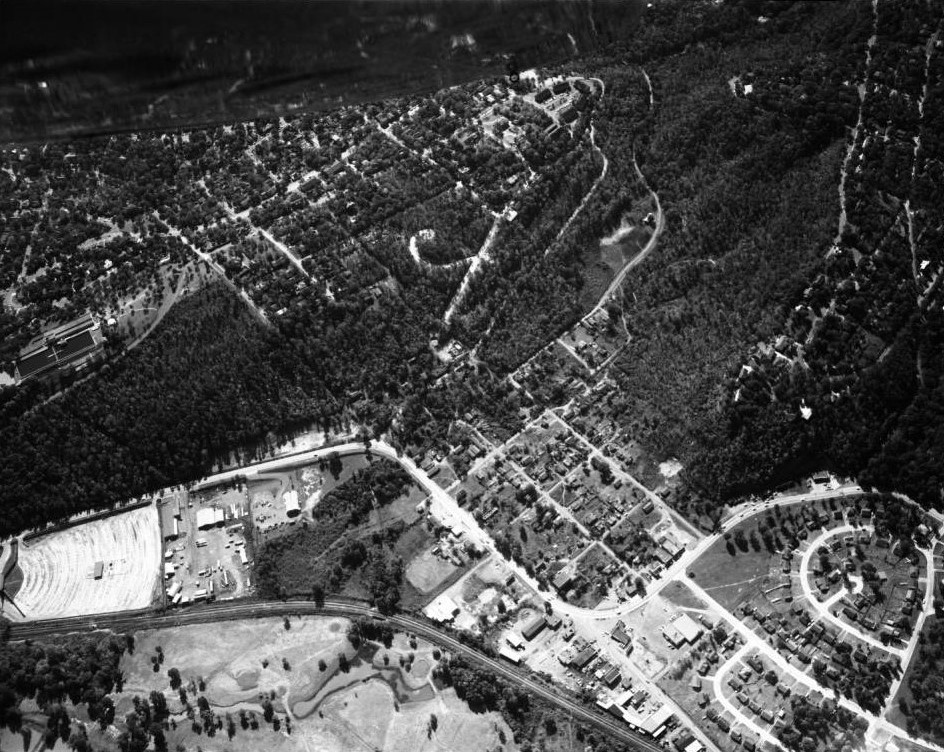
236	669
383	701
680	595
427	572
731	579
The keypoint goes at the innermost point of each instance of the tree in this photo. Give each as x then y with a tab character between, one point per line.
267	710
174	676
78	740
158	705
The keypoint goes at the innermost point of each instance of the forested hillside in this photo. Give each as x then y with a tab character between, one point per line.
203	385
860	351
798	274
749	185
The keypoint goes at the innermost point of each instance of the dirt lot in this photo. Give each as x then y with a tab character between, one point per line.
428	570
57	569
210	559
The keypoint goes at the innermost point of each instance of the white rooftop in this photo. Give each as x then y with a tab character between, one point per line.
687	627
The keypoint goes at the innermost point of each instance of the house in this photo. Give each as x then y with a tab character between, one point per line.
564	580
662	556
582	658
612	677
671	546
620	636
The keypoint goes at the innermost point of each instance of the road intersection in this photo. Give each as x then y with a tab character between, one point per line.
596	623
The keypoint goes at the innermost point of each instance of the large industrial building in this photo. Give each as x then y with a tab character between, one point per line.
207	517
66	346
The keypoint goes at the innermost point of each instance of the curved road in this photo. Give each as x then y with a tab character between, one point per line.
639	257
145	619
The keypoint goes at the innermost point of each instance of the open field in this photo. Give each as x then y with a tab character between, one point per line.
384	700
247	662
365	714
731	579
57	569
679	594
427	571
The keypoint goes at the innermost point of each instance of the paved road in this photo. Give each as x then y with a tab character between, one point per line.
739	718
224	611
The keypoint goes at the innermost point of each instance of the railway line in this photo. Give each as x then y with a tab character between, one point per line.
226	611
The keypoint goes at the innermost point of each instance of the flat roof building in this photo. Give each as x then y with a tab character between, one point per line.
208	517
170	526
687	627
533	628
291	503
98	570
61	347
443	609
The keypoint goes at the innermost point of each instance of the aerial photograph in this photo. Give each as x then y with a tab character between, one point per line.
472	375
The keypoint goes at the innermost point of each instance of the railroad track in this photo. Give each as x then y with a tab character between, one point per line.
214	612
